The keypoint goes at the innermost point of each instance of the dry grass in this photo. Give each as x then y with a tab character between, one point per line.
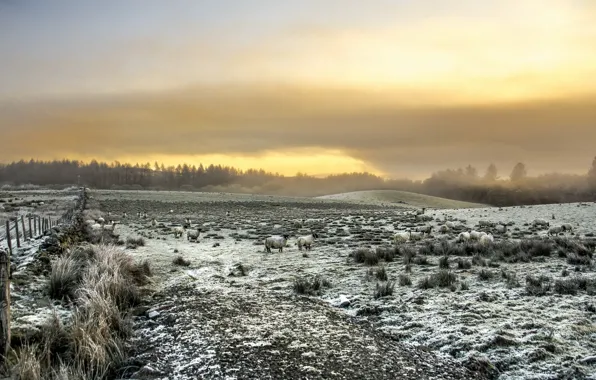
104	284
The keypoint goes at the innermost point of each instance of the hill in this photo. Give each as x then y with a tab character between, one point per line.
400	198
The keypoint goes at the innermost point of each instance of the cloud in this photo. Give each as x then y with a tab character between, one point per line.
366	127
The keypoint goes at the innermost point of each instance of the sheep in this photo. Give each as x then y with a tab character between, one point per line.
567	227
187	223
463	236
278	242
501	228
101	220
425	229
424	218
110	227
124	215
178	231
193	234
540	223
416	235
444	229
475	235
485	223
153	223
555	230
90	222
450	224
421	212
401	237
487	239
306	241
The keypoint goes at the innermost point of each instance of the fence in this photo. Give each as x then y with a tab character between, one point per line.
19	229
36	226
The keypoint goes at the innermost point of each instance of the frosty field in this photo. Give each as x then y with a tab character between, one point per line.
513	311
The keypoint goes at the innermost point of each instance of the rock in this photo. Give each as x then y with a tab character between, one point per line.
140	310
588	360
153	314
146	371
342	301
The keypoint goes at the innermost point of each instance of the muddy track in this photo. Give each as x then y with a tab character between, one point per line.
246	333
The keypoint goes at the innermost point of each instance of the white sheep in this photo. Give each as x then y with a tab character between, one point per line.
101	220
567	227
450	224
501	228
463	236
153	223
401	237
425	229
416	235
306	241
540	223
178	231
110	227
278	242
487	239
193	234
555	230
475	235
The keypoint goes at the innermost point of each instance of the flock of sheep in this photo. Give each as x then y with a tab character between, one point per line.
471	234
413	234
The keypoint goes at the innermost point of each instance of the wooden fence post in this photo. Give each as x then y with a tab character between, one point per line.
4	305
16	230
38	225
30	230
24	230
8	239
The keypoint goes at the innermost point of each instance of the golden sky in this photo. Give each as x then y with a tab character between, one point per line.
392	87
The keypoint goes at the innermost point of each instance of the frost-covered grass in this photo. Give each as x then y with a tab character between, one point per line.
521	305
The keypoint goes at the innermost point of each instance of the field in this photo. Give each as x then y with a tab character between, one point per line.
519	308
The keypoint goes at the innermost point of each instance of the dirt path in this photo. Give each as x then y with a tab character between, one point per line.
241	333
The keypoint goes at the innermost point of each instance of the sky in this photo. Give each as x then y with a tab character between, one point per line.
399	88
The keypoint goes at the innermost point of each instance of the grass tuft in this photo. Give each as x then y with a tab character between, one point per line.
181	261
383	290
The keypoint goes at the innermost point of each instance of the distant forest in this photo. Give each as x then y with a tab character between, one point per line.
465	184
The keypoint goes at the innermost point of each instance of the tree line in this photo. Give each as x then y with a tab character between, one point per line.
465	184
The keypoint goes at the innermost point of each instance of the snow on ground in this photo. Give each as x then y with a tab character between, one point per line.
209	311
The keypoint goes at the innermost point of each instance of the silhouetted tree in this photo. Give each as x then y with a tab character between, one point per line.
471	172
518	173
491	173
592	174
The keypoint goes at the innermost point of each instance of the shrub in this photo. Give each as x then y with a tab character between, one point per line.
313	286
537	286
181	261
133	243
485	275
575	259
444	262
405	280
371	258
359	255
382	274
65	277
420	260
383	290
463	264
441	279
386	253
566	286
464	286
